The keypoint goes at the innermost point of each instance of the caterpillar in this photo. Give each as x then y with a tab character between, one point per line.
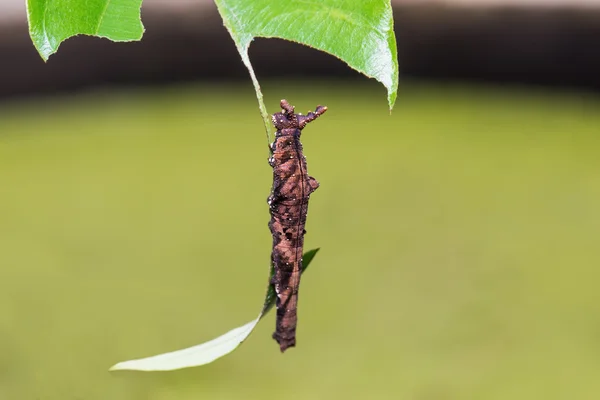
288	206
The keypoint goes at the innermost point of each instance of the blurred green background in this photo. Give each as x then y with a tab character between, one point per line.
459	244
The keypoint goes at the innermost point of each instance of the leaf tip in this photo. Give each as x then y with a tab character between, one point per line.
45	56
120	366
392	100
43	47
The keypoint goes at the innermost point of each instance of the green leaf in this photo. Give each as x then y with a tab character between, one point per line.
213	349
358	32
53	21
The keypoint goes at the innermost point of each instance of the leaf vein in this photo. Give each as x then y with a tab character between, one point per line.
102	14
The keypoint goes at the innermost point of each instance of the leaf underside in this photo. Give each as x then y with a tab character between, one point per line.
208	352
360	33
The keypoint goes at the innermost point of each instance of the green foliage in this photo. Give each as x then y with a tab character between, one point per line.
53	21
360	33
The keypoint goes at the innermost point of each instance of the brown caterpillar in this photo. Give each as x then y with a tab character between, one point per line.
288	205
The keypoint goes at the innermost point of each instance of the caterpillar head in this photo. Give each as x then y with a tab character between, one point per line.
286	119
